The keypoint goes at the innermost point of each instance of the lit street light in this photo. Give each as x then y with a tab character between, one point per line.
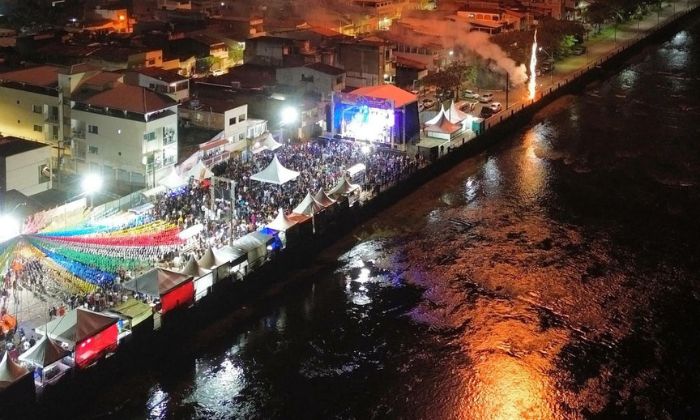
288	116
91	184
9	227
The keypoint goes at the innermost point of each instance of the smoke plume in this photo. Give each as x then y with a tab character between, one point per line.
452	34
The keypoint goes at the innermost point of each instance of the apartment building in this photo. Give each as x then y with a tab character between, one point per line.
93	120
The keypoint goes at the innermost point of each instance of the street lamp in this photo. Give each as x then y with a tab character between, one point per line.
288	116
91	184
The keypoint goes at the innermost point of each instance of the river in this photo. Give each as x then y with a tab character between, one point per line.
554	276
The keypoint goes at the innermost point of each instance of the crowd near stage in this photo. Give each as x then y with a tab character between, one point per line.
78	282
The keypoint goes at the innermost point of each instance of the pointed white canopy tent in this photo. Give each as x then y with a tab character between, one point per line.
322	198
308	206
343	187
437	117
199	171
455	116
275	173
281	222
172	180
443	128
192	268
267	143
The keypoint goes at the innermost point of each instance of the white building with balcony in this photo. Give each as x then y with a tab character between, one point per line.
94	121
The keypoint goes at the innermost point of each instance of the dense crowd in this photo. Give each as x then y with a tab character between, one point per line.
320	165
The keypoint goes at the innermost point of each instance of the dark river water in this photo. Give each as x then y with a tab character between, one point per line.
556	276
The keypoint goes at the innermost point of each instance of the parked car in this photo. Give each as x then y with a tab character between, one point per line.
486	97
496	107
468	106
486	112
469	94
578	49
428	103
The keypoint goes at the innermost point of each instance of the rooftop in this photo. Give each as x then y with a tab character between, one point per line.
10	146
390	92
168	76
130	98
325	68
42	76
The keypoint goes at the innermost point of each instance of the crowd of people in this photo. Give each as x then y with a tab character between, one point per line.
321	164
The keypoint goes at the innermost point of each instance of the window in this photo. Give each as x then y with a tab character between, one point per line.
232	121
150	136
92	129
241	136
93	150
241	118
309	79
37	109
38	128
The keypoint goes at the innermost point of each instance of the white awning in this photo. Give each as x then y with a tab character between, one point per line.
275	173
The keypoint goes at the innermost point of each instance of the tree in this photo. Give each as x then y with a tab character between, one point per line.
452	77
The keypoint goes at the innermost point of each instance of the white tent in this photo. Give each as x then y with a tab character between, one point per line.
454	115
281	222
268	143
323	199
275	173
308	206
172	180
199	171
437	117
192	268
343	187
443	128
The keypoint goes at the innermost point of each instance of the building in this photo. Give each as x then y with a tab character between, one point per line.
366	62
317	78
167	82
490	20
25	166
383	114
121	58
94	121
215	110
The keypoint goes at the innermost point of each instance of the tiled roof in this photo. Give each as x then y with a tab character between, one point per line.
44	76
130	98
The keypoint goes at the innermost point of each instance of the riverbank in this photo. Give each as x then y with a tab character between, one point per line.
270	274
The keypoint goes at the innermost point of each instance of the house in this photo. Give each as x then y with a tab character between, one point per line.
166	82
25	166
111	58
367	62
490	20
215	109
316	78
